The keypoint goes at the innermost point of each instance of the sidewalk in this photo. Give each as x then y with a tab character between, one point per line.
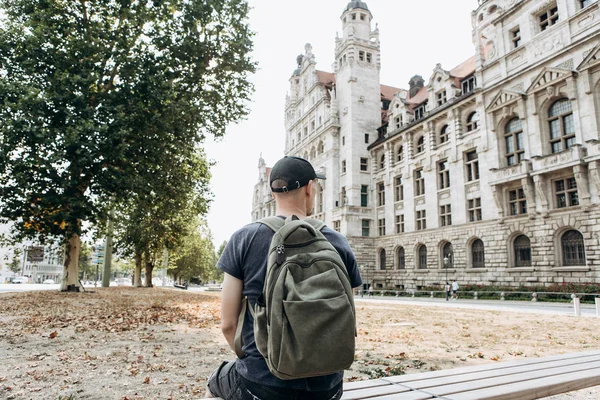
587	310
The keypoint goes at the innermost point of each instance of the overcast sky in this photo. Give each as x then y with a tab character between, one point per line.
414	35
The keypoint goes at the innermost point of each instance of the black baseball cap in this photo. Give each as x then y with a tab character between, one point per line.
293	173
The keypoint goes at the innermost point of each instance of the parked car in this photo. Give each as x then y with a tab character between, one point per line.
49	282
20	279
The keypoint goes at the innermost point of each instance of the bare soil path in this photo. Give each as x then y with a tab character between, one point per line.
126	343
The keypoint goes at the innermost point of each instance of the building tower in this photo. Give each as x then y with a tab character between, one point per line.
358	93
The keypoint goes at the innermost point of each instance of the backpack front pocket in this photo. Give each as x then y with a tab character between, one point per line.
302	352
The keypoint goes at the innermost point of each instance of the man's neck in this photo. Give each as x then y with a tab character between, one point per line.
288	211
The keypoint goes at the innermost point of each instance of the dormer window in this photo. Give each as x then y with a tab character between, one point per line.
362	17
420	111
398	122
353	17
468	84
548	17
441	98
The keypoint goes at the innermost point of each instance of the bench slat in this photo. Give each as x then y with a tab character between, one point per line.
535	389
494	383
488	367
375	391
415	395
500	372
364	384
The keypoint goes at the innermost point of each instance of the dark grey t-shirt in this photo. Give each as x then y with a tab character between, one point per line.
245	258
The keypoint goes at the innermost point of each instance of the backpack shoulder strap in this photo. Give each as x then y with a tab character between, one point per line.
274	223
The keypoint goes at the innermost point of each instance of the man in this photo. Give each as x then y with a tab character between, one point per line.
454	290
447	289
244	263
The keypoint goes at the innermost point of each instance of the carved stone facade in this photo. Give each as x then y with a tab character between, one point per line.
487	173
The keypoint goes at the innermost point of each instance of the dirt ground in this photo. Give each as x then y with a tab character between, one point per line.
126	343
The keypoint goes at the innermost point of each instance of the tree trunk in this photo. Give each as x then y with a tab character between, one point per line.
70	281
137	274
149	268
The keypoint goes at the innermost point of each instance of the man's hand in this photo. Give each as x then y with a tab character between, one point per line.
231	305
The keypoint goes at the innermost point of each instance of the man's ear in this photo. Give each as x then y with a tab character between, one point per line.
309	187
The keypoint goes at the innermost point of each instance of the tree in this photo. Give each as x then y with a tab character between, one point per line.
194	258
15	264
90	92
85	261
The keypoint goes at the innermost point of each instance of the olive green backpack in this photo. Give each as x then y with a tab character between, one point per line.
304	321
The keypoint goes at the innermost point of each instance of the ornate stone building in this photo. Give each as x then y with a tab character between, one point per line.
487	173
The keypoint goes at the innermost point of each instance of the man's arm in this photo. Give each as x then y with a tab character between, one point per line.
231	305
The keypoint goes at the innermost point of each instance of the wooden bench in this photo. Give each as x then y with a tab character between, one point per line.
526	379
531	378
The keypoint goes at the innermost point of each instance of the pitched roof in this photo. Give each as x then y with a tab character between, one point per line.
388	92
464	69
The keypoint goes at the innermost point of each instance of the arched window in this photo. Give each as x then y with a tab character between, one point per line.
522	251
573	249
382	161
305	156
321	148
400	153
472	121
422	254
513	139
401	264
313	153
562	127
421	144
382	259
444	134
478	254
447	253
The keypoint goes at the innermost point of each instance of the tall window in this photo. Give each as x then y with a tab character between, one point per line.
366	225
381	226
472	121
513	138
398	189
401	264
517	203
548	18
420	111
515	37
382	162
447	254
364	196
369	57
336	226
400	223
444	134
320	200
343	166
380	194
474	208
400	153
421	220
446	215
382	259
472	165
422	254
421	144
441	98
361	55
419	182
468	84
364	163
343	199
398	121
366	138
562	127
522	247
566	193
478	254
573	248
443	175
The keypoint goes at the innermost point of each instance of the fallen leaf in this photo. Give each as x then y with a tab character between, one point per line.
53	335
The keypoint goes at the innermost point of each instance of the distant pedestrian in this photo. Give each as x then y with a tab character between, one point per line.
447	290
371	291
455	289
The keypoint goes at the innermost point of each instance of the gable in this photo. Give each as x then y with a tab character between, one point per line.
593	58
504	98
549	76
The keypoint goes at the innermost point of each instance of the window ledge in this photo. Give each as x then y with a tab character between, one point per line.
580	268
520	269
448	270
421	271
475	270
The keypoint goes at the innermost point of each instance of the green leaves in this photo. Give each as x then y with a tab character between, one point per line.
112	99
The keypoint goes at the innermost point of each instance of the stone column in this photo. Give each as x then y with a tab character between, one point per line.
529	189
583	185
541	199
